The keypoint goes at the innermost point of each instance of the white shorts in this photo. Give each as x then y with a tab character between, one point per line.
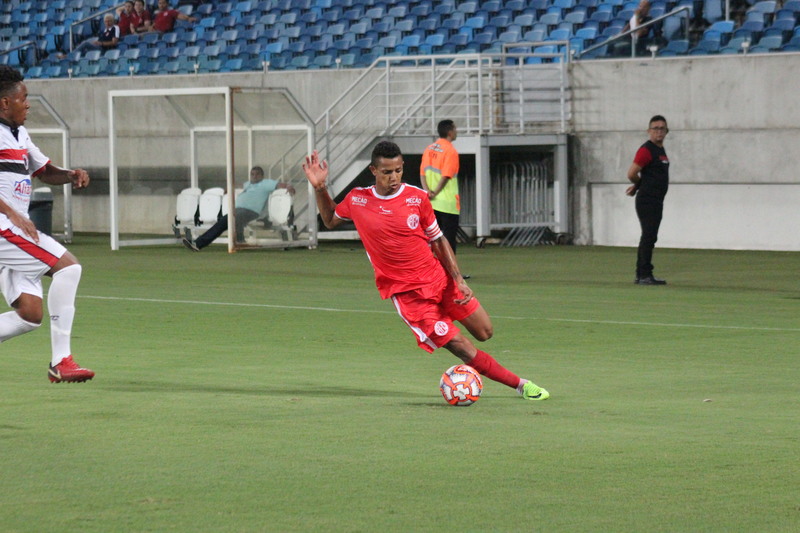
24	262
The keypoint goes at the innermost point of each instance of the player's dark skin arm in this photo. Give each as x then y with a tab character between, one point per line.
444	253
316	171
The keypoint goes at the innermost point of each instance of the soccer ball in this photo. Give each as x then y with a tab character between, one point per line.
461	385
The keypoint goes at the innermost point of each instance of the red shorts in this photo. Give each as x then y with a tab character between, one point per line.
430	312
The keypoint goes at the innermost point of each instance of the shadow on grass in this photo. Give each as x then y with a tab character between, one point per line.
267	390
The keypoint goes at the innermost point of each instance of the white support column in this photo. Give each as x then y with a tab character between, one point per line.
112	176
561	186
483	190
229	168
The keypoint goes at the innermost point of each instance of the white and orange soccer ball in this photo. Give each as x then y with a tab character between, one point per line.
461	385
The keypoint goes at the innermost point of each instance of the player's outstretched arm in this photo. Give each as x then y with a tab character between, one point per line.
316	171
444	253
53	175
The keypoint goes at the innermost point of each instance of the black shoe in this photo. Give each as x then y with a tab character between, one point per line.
190	245
466	276
649	280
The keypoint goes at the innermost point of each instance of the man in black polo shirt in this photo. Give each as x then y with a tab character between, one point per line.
649	174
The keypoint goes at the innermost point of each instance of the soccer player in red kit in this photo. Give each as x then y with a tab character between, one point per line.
414	265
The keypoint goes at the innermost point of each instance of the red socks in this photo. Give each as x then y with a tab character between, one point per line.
487	365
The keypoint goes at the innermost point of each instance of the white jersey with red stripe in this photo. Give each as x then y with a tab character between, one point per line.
19	160
396	231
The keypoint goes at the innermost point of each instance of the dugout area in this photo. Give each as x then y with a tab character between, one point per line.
205	140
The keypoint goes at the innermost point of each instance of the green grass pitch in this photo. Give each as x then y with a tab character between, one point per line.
275	391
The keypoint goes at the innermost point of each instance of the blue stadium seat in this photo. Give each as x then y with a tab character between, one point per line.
508	37
768	43
409	45
347	60
713	10
706	46
132	54
405	27
299	62
534	36
209	65
34	72
323	61
749	28
675	47
781	27
232	65
432	43
587	34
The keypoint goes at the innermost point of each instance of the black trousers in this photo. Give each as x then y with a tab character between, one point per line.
243	217
649	211
448	223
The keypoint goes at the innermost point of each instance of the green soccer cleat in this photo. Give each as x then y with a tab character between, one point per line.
531	391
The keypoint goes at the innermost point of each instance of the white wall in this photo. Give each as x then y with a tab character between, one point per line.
733	148
733	143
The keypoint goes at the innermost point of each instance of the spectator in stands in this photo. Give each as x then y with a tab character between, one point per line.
249	205
644	37
108	38
124	18
166	16
141	21
649	174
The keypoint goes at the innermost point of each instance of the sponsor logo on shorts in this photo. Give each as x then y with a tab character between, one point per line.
413	221
441	328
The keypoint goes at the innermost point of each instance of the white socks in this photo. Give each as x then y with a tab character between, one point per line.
61	305
12	325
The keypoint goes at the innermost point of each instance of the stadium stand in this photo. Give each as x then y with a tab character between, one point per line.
38	36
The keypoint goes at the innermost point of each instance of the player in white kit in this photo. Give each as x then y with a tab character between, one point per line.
25	253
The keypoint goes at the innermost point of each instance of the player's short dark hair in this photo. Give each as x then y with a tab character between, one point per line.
445	127
9	78
657	118
258	170
385	149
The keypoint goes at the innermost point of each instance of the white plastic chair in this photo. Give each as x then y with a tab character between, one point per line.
186	209
210	206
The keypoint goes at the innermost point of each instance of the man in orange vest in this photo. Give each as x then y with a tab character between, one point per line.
439	177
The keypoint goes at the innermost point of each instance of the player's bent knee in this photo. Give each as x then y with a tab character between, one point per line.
484	334
32	317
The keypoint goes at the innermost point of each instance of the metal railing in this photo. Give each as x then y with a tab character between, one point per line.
632	33
485	94
17	48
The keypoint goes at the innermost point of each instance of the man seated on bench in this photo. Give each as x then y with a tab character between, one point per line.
249	205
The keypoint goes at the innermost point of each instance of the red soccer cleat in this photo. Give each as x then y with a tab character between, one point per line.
69	371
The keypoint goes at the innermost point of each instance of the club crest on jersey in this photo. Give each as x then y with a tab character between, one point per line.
413	221
22	188
441	328
359	200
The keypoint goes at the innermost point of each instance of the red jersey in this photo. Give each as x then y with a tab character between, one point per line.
124	24
396	231
138	20
165	20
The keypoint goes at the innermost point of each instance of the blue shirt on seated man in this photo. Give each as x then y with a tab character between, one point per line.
249	205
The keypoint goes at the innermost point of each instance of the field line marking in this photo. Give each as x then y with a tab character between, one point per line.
377	311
